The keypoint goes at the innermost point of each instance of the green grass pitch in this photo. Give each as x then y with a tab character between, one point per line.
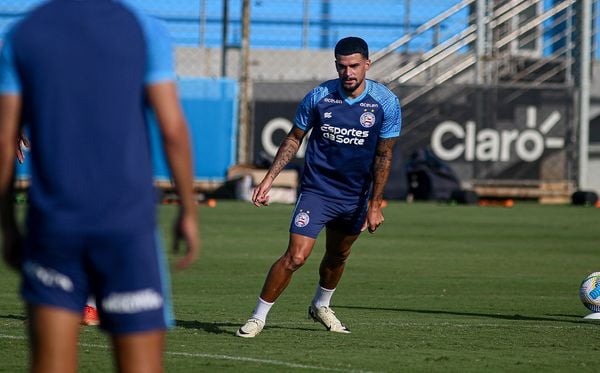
437	288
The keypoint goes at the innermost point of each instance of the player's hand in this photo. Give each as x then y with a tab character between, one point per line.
374	219
186	229
22	144
260	196
12	249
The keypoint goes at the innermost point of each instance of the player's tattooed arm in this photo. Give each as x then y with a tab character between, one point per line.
381	167
381	170
286	152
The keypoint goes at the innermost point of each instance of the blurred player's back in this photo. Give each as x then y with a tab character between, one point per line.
80	74
87	93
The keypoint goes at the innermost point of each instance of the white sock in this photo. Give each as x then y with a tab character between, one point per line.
91	301
322	297
261	310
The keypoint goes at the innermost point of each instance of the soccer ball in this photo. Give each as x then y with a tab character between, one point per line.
589	292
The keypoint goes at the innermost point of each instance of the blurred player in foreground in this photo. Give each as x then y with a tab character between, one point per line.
80	74
90	313
355	123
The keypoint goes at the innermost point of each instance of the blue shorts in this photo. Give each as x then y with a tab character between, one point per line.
313	212
125	272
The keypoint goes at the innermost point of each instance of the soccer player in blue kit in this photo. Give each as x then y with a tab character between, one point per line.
90	313
81	75
355	123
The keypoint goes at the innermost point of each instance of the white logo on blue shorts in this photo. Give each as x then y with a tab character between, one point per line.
48	276
301	220
132	302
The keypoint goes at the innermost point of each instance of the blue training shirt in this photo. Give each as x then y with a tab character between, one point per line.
341	148
81	68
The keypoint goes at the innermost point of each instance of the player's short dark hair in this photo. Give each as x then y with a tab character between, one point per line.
351	45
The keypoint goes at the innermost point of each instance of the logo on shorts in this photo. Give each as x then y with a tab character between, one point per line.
132	302
48	276
367	119
301	220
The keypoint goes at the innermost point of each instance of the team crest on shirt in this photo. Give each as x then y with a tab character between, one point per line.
367	119
301	220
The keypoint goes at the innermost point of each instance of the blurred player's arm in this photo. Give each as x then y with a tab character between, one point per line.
10	109
22	143
286	152
381	171
164	100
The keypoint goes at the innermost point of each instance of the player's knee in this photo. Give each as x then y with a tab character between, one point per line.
337	258
293	262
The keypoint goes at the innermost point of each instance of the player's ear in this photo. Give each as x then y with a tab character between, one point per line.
367	64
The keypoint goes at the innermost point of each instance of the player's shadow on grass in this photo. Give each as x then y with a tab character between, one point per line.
217	327
14	317
515	317
209	327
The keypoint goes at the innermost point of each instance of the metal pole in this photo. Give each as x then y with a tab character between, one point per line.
244	106
480	42
325	23
305	25
224	36
481	95
584	91
489	42
201	37
569	44
407	28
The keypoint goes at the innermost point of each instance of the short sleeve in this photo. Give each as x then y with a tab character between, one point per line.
10	82
159	64
305	113
392	118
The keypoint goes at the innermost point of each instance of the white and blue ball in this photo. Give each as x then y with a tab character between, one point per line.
589	292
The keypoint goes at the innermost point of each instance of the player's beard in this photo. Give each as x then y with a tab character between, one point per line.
350	85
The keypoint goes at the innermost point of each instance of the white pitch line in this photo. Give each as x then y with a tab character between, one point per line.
2	336
265	361
584	325
223	357
509	323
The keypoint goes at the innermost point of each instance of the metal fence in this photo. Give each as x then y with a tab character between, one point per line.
303	24
496	69
301	33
